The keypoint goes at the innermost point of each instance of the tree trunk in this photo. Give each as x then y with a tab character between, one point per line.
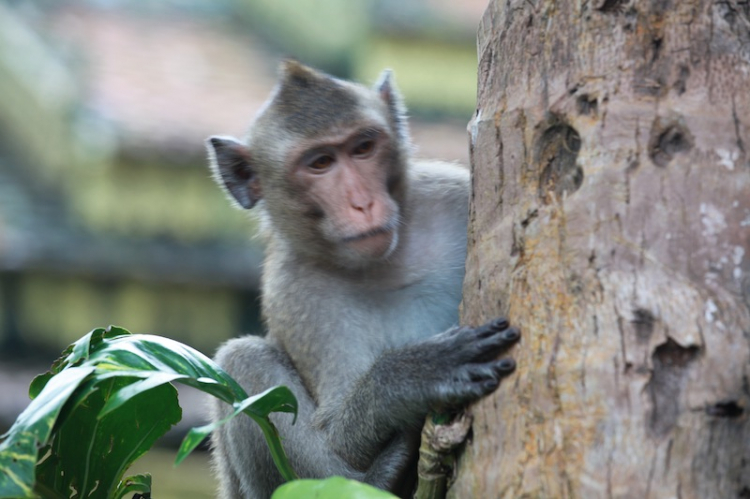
611	221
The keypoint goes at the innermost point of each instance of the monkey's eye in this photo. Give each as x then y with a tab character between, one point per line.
364	148
321	163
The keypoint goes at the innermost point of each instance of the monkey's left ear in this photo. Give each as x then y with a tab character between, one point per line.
232	166
388	92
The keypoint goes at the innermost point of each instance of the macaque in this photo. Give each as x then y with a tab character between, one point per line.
361	286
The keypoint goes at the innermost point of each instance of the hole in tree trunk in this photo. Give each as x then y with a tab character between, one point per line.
725	409
667	140
670	364
557	151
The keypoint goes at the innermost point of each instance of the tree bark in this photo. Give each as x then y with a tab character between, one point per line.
610	219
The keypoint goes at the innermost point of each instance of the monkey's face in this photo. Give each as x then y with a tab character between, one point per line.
348	187
327	158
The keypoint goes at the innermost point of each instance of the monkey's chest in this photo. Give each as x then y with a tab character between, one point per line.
404	316
380	323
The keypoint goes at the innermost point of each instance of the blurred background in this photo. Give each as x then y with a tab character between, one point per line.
107	212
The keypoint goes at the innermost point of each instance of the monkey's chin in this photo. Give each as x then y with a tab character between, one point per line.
375	246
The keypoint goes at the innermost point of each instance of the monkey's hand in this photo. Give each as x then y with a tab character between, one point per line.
465	364
440	373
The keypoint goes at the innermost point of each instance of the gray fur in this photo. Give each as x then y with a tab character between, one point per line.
358	342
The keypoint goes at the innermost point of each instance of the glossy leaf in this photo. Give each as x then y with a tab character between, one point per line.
94	452
140	484
103	404
258	407
336	486
32	429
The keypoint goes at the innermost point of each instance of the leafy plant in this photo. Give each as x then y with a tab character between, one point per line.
104	403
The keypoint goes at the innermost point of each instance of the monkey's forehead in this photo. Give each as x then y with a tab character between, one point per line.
315	103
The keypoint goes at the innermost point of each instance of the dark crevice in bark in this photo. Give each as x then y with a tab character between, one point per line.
556	154
643	322
670	364
627	366
613	6
736	120
500	172
656	46
725	409
587	105
517	248
680	84
668	138
531	215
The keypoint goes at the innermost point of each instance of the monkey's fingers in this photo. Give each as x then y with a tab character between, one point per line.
494	326
505	367
492	346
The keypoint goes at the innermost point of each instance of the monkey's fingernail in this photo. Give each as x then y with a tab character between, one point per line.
490	385
506	365
500	323
511	334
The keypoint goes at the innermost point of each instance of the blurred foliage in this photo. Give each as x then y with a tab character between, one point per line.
324	33
178	310
191	479
436	77
153	201
434	58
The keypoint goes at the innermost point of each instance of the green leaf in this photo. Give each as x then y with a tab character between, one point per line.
32	429
132	484
338	487
89	453
151	353
135	388
73	355
258	407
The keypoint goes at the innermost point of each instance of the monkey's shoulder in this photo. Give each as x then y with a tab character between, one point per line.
429	173
436	184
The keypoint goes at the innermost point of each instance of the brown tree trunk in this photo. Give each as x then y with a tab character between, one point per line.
611	221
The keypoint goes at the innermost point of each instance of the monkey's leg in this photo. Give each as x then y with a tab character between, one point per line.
241	457
390	470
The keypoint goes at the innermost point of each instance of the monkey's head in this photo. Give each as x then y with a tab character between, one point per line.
325	160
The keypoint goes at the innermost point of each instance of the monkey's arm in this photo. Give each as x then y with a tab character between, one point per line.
241	458
449	370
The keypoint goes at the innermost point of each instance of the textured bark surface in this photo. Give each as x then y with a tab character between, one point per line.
611	221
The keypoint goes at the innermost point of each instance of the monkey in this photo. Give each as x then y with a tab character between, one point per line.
361	283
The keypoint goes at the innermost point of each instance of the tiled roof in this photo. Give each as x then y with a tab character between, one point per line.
166	81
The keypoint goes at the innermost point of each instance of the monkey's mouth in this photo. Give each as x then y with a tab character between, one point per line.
368	234
383	229
374	243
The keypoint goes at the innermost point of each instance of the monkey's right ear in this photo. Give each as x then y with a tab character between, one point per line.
232	166
388	92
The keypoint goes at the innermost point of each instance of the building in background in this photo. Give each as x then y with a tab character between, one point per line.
107	212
